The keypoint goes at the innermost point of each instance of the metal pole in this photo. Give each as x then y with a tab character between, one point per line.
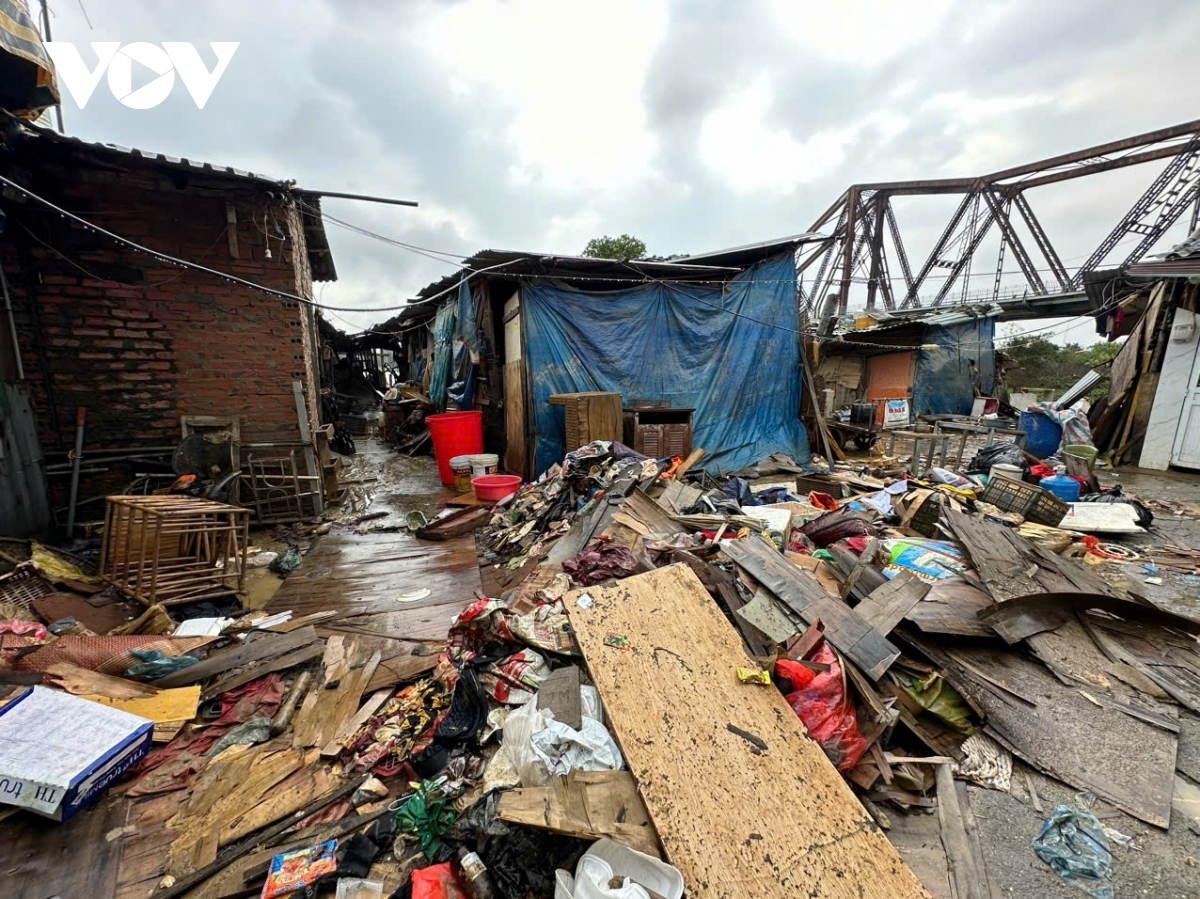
366	199
12	325
77	458
49	37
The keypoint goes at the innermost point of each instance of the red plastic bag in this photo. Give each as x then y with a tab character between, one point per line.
437	882
821	701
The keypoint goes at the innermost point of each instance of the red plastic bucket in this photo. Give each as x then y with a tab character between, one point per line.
455	434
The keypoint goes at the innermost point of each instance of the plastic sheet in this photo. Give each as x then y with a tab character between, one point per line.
443	336
730	353
1073	843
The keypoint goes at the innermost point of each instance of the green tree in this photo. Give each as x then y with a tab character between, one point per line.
624	247
1035	362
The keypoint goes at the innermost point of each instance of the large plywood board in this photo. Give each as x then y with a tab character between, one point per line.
736	818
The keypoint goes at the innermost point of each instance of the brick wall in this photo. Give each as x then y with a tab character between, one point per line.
139	343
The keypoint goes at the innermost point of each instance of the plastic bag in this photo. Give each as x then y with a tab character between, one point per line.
1006	453
564	749
821	701
438	882
1144	516
1073	843
288	562
945	476
519	729
930	560
938	698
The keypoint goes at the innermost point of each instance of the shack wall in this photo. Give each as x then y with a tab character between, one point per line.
139	343
944	383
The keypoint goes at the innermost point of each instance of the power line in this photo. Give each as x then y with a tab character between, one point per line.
234	279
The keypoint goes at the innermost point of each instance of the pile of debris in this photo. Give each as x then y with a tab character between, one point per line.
829	651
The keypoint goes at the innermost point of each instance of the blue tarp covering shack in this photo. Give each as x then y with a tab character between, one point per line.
731	352
945	382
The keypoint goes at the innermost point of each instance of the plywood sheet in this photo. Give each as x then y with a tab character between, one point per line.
329	707
766	822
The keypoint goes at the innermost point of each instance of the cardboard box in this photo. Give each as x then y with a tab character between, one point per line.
58	752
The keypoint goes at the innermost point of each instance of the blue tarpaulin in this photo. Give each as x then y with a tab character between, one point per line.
443	339
944	383
731	353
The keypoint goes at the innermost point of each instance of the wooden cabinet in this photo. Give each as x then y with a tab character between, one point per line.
589	416
659	432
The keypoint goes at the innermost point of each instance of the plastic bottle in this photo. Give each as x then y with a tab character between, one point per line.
475	877
1065	488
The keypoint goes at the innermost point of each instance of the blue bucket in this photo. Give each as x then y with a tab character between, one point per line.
1043	435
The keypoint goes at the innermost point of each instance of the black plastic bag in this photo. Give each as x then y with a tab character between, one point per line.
999	454
1144	516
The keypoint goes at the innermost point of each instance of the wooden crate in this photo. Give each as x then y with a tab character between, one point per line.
589	416
174	549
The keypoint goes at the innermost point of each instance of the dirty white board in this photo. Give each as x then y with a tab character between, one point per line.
745	802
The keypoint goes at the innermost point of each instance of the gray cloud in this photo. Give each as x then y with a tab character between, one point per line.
357	95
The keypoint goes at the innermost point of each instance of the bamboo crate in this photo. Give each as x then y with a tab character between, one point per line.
174	549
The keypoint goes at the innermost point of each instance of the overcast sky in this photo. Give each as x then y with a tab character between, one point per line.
693	125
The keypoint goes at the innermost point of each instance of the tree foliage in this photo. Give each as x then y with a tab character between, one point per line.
1040	363
624	247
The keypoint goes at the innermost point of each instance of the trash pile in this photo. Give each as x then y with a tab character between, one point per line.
674	647
949	621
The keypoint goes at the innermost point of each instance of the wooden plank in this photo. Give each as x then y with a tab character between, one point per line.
659	525
887	606
966	871
695	456
310	456
399	669
586	804
83	682
258	649
329	707
847	631
1185	801
334	747
781	822
282	663
294	624
677	496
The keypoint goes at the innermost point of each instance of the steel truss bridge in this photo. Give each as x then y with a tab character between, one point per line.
866	244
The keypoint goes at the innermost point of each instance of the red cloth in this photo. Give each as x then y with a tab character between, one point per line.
173	765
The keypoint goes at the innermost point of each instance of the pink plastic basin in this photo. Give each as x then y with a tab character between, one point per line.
494	487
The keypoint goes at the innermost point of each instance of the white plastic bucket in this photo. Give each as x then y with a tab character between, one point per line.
484	464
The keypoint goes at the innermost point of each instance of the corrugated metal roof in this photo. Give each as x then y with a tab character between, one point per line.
173	162
319	254
750	253
1180	267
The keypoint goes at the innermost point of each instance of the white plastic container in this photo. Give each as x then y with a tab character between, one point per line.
484	464
1005	470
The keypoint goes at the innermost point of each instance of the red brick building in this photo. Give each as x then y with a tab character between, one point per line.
140	342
